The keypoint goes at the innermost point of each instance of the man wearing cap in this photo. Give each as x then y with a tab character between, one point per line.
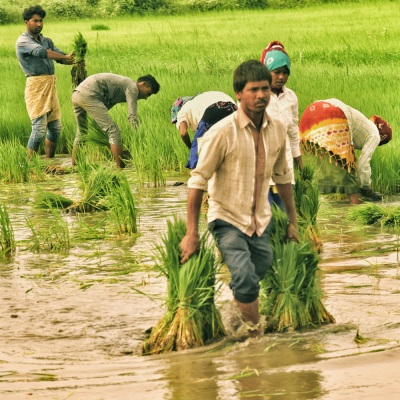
331	130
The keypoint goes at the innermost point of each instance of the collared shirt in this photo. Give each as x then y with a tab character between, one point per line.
32	54
192	111
227	168
112	89
364	137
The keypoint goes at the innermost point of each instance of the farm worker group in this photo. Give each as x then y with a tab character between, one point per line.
94	96
242	154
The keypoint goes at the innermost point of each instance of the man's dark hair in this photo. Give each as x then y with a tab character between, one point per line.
31	11
250	71
150	82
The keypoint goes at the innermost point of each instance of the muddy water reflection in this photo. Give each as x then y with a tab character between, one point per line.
71	325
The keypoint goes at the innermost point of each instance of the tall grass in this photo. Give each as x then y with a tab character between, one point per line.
347	50
7	240
15	167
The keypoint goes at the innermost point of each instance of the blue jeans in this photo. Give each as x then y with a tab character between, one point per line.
248	258
40	129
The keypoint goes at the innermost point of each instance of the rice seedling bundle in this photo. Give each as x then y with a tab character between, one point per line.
191	318
49	199
306	195
291	296
78	71
371	213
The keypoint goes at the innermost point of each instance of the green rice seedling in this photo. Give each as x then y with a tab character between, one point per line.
94	145
367	214
307	202
50	234
51	200
371	213
100	27
15	166
191	318
78	71
7	240
152	166
290	296
96	183
123	213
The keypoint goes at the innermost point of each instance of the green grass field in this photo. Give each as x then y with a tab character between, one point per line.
349	51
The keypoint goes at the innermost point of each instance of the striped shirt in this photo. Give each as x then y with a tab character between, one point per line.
364	137
236	175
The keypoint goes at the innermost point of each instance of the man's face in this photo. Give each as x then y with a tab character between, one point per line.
35	24
279	77
144	91
254	97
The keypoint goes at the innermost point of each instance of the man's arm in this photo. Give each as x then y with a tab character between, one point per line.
67	59
183	130
286	194
190	244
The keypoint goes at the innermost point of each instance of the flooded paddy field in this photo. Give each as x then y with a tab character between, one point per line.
72	324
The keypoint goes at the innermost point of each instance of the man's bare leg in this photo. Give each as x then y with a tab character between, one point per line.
50	149
250	313
355	198
116	151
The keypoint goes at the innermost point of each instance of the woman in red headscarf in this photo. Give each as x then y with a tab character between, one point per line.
332	130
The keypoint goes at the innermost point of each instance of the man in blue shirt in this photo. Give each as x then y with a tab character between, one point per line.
36	55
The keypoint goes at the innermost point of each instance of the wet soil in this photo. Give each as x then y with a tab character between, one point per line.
72	324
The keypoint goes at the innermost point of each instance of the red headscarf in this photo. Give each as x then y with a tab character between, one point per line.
274	45
384	128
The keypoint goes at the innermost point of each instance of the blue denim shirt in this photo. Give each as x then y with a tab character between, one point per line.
32	54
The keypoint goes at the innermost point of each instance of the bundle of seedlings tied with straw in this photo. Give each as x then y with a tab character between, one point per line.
371	214
78	71
306	196
191	318
291	296
97	183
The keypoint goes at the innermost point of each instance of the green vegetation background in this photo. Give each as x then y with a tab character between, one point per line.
347	50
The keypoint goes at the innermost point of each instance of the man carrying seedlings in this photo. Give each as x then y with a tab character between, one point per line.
36	53
331	130
237	158
199	113
99	93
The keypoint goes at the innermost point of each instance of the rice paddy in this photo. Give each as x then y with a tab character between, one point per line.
79	289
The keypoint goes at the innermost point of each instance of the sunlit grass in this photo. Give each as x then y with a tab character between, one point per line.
341	61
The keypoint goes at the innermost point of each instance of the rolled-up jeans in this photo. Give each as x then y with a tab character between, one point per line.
42	128
248	258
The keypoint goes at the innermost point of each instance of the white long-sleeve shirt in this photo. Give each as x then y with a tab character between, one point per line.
286	108
364	136
193	110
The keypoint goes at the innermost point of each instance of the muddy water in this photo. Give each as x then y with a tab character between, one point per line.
71	325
